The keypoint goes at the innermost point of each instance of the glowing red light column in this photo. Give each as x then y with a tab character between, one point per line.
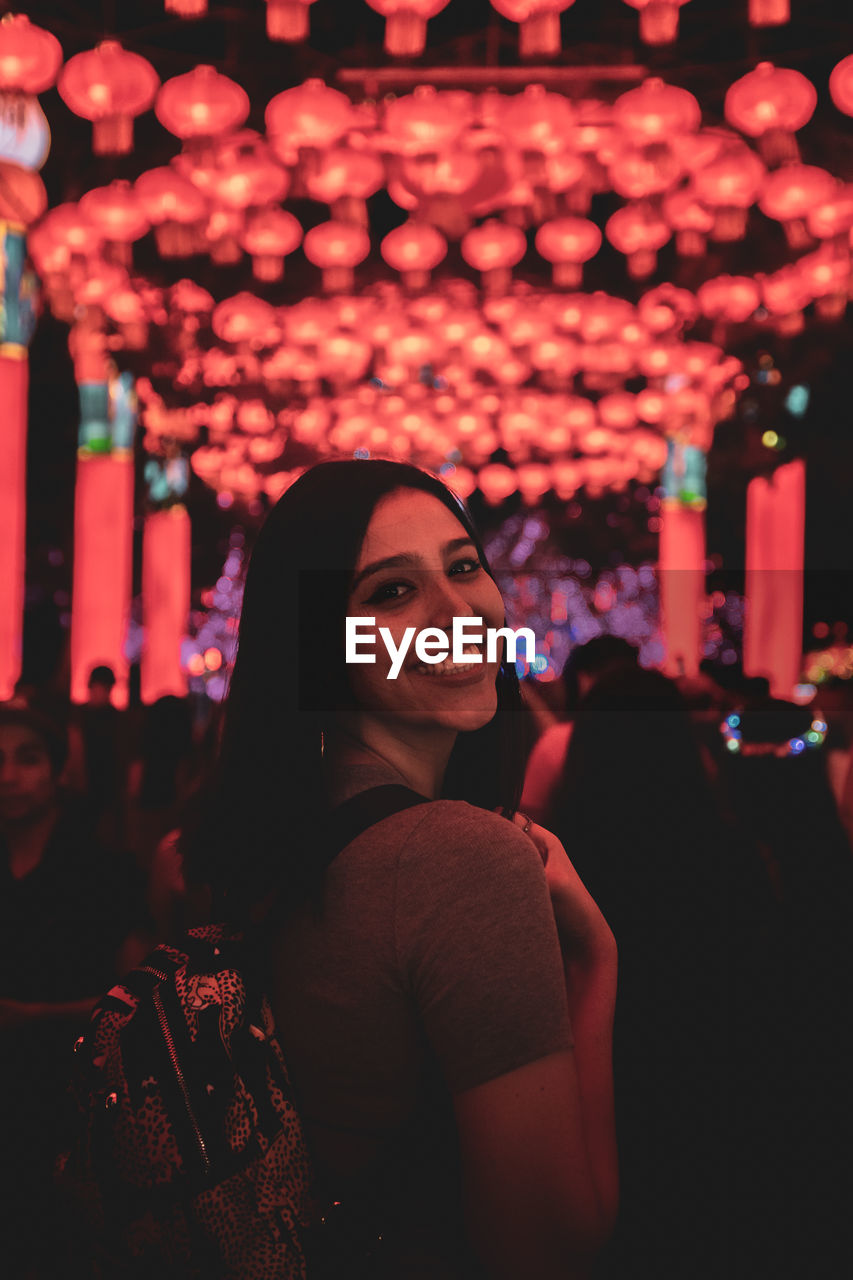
103	516
775	539
17	320
166	548
681	578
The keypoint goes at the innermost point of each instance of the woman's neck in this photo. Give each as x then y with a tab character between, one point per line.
420	759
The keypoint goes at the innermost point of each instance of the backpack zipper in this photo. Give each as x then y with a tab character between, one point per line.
173	1054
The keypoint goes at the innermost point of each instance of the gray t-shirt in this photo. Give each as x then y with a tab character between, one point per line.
434	967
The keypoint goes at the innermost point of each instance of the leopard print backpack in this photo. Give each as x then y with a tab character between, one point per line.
189	1158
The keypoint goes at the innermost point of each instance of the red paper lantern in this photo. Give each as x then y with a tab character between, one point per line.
732	298
344	179
667	309
637	172
175	208
243	178
493	249
658	19
791	193
337	247
201	104
405	24
118	214
186	8
539	24
537	121
109	86
269	236
414	249
638	231
618	411
769	13
426	120
841	85
784	293
689	219
29	56
567	243
23	197
656	112
728	186
287	20
827	275
310	115
770	104
832	219
243	319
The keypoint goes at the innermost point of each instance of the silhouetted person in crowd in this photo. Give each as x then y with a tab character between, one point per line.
585	665
781	794
66	916
636	809
100	757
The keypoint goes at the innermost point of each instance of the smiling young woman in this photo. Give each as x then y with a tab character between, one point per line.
444	1000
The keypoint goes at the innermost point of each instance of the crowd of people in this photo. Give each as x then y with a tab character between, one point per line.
726	878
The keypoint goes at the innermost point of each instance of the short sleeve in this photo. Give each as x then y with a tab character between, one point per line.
477	944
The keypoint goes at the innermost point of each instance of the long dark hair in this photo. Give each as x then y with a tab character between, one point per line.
262	826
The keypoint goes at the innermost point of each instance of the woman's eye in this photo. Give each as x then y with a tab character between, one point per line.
389	591
467	565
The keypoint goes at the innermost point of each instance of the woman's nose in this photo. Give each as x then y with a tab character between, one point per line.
448	600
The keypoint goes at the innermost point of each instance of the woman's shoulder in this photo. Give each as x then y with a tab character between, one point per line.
455	834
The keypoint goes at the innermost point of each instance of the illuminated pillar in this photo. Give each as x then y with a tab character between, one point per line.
103	516
17	321
166	553
775	540
681	558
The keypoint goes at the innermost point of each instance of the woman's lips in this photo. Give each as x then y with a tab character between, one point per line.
448	670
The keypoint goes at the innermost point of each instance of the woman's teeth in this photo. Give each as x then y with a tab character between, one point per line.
448	668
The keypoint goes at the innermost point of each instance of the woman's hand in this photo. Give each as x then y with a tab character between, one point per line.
584	933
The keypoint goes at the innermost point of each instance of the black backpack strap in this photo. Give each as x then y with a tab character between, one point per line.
365	809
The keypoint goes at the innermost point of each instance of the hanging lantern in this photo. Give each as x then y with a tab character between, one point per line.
186	8
30	57
414	249
497	482
243	319
770	104
731	299
221	234
638	231
426	120
117	212
784	294
690	220
109	86
567	243
729	186
175	208
310	115
769	13
791	193
638	172
656	112
405	24
667	309
287	20
246	177
658	19
269	236
493	249
827	276
618	411
201	104
344	179
337	247
23	197
832	219
539	24
841	85
538	123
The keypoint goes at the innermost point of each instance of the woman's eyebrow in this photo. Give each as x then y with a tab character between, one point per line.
407	560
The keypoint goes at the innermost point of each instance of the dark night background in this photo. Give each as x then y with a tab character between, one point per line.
715	46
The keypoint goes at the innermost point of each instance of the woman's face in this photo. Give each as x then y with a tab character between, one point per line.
435	575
